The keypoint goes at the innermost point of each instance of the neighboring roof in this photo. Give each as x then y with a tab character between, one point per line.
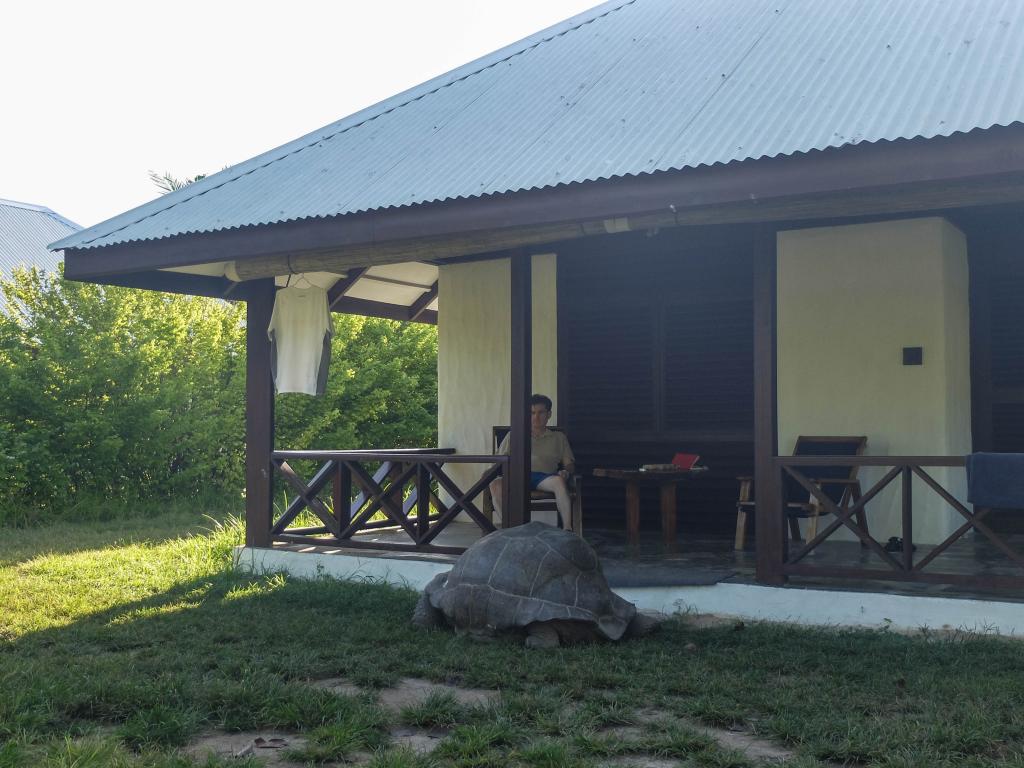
24	232
629	88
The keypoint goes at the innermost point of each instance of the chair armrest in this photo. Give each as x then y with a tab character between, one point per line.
745	478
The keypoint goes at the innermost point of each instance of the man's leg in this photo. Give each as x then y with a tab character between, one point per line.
496	498
556	485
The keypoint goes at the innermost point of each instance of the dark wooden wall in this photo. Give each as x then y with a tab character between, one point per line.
995	243
656	357
995	238
1007	299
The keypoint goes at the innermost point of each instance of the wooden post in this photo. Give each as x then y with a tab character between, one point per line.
259	416
343	495
518	510
980	248
668	515
907	513
422	501
562	321
768	509
633	514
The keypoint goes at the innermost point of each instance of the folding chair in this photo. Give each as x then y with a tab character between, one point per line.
838	483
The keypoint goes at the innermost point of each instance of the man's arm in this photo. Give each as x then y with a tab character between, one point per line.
568	460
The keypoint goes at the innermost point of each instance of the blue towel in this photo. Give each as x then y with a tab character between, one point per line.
996	480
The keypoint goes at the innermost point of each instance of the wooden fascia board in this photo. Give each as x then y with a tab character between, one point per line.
993	152
178	282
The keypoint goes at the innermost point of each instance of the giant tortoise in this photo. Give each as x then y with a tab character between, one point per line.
535	579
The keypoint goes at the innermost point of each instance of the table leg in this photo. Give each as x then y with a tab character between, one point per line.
632	513
668	514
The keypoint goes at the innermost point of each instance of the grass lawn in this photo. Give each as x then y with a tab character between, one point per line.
121	642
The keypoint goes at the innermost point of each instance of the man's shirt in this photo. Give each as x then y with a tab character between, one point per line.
546	452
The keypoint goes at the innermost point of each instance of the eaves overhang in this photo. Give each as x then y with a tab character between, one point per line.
756	190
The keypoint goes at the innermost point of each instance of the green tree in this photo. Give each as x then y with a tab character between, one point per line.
165	182
110	396
381	391
114	394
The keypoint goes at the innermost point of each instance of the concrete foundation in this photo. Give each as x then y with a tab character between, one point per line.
796	605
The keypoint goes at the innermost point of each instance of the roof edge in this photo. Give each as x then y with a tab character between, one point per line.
812	152
844	170
41	209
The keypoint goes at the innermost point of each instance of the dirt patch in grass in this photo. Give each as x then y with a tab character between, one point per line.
639	761
411	691
418	740
338	685
270	748
737	739
624	732
747	743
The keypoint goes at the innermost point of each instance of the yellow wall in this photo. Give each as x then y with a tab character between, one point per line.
850	298
474	352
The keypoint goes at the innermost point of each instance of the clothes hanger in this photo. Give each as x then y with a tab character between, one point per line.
301	277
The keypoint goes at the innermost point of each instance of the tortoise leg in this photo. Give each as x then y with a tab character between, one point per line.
425	615
643	624
541	635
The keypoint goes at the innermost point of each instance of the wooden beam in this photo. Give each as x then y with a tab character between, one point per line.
395	281
517	511
769	525
259	416
339	302
420	305
368	308
340	288
417	250
938	165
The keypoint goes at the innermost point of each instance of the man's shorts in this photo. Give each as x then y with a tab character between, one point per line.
536	478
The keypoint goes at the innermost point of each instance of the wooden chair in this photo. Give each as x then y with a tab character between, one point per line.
542	500
840	484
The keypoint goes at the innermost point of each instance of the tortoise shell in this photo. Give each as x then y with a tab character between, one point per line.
531	573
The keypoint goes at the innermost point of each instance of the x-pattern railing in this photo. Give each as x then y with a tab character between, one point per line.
406	489
904	567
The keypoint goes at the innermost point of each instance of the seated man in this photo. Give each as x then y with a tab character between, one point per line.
548	450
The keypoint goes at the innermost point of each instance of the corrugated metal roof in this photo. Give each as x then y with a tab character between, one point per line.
24	232
631	88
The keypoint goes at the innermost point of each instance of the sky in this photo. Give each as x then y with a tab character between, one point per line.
97	94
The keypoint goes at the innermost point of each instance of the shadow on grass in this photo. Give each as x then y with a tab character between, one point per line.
233	652
158	526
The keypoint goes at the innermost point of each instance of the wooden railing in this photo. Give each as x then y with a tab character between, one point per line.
405	488
902	564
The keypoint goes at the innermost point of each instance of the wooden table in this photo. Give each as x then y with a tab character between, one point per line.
666	481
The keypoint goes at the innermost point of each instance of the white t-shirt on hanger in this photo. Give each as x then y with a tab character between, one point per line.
300	339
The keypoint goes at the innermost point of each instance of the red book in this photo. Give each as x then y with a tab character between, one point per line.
685	460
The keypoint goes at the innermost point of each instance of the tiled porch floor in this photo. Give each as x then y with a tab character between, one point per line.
710	559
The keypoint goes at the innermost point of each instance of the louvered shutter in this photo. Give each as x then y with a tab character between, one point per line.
709	354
